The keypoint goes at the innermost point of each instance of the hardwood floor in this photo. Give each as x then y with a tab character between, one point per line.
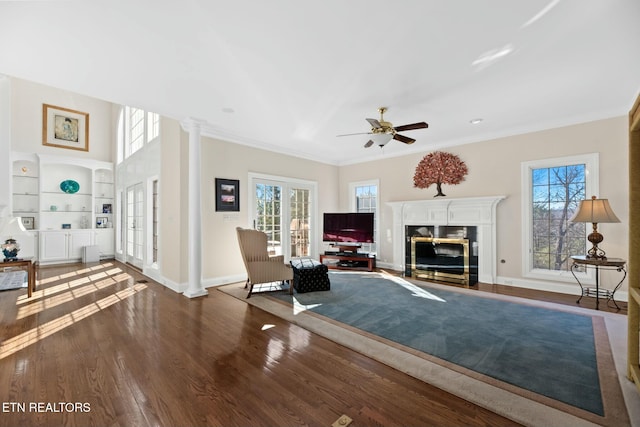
104	345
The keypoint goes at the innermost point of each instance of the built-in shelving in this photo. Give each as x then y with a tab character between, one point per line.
64	221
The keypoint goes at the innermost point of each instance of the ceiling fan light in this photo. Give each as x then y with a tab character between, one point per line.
381	138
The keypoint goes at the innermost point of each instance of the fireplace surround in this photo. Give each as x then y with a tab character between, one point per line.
479	212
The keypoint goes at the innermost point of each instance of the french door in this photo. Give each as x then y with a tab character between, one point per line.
135	225
284	210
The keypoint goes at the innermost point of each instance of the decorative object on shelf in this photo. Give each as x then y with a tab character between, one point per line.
227	195
66	226
53	208
65	128
101	222
439	168
28	222
11	228
106	208
70	186
595	211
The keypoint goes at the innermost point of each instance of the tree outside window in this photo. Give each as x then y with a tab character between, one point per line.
556	194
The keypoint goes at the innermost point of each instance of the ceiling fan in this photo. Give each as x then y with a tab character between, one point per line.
383	132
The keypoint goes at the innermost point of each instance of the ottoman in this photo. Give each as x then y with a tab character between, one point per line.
309	275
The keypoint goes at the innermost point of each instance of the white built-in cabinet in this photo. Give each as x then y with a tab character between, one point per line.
65	222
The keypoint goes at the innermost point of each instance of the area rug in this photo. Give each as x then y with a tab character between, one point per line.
13	280
535	363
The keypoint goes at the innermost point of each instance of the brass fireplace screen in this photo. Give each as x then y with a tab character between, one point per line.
443	259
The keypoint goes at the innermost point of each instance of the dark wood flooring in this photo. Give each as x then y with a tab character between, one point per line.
103	345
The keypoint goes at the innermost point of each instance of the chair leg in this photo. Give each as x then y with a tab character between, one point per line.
250	290
246	283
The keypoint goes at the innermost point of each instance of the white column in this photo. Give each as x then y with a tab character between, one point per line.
194	234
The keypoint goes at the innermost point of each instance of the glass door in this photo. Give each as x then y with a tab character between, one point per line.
135	225
284	210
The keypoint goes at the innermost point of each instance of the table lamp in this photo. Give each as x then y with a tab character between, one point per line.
595	211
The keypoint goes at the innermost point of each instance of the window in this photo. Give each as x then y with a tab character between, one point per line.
364	198
137	127
552	191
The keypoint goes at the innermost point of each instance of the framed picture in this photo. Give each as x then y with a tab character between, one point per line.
227	195
28	222
106	208
65	128
101	222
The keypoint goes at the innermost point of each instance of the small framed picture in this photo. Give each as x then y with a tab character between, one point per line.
28	222
101	222
227	195
65	128
106	208
66	226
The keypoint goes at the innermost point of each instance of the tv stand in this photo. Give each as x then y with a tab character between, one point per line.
346	260
346	248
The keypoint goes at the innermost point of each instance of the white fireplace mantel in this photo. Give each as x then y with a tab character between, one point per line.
470	211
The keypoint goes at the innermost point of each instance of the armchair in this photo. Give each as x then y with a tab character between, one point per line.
261	268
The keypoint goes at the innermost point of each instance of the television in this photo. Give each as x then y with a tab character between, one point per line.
350	228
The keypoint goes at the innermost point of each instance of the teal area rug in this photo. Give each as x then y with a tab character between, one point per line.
545	351
534	362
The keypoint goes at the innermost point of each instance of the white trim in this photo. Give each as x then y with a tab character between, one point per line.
591	162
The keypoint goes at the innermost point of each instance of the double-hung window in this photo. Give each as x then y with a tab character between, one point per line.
552	191
364	198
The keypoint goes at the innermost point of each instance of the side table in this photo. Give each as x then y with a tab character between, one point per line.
31	271
617	264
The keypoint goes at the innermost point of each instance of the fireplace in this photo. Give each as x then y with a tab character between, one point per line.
479	212
445	253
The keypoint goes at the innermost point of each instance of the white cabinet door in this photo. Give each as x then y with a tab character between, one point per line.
53	246
77	240
105	239
60	246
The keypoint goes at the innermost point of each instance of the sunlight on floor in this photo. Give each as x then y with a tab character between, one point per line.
25	339
300	308
416	290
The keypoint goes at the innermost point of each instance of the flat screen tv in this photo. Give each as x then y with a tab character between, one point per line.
348	227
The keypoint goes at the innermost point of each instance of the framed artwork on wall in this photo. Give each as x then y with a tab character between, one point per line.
65	128
227	195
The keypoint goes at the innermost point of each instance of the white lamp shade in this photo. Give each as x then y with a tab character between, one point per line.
12	227
381	138
595	211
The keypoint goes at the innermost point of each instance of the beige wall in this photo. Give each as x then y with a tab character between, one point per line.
495	169
222	159
26	121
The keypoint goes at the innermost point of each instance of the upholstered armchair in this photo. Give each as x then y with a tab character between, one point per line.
261	268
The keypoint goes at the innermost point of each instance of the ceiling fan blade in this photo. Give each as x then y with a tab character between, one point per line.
368	144
412	126
403	138
374	123
359	133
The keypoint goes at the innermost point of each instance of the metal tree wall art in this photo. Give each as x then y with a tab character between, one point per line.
439	168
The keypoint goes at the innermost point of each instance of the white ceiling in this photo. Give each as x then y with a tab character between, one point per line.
297	73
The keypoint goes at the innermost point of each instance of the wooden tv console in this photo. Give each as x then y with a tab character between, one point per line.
361	261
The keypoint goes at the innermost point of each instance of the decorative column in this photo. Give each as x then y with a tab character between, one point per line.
194	234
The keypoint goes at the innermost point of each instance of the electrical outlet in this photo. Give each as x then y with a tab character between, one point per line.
343	421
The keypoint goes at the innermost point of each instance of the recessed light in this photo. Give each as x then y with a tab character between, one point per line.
475	121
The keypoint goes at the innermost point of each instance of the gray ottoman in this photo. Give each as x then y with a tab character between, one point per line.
309	275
